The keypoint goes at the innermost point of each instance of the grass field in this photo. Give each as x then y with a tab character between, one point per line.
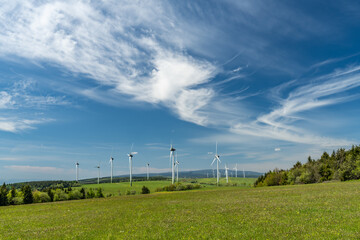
207	183
316	211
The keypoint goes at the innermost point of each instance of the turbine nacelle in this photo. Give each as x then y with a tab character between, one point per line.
132	154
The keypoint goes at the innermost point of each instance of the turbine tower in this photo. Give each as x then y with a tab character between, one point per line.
98	167
172	162
147	170
226	174
217	159
243	173
235	168
111	166
131	155
77	171
177	170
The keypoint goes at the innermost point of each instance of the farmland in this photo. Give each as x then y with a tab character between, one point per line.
314	211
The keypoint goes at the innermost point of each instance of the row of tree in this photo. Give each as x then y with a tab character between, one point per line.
26	195
340	165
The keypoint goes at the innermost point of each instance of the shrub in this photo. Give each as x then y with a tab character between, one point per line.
17	200
36	196
178	187
128	192
60	195
75	195
99	193
90	193
145	190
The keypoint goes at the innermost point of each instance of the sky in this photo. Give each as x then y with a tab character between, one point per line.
271	81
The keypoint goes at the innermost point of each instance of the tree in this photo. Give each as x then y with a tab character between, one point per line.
3	195
28	195
51	194
145	190
83	193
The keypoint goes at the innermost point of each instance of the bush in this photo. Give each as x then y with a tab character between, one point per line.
145	190
90	193
99	193
60	195
36	196
128	192
17	200
75	195
178	187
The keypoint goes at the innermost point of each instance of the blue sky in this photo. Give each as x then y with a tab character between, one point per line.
272	81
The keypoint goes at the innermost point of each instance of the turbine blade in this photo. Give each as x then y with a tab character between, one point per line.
216	148
213	162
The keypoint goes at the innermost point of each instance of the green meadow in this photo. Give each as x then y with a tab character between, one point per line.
206	183
313	211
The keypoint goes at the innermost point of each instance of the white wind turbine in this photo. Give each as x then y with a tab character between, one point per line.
217	159
147	170
131	155
226	173
243	173
77	171
98	167
172	162
112	171
235	168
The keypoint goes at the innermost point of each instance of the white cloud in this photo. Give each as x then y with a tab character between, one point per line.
5	100
140	51
33	169
15	125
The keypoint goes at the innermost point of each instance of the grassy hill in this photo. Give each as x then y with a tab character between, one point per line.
207	183
314	211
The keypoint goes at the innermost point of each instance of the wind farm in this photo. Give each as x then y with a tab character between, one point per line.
179	119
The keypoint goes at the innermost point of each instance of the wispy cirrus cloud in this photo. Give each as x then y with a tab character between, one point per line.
137	52
329	89
14	125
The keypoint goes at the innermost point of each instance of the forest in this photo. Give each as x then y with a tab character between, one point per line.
341	165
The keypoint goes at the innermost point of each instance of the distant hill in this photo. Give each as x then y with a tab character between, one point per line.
183	174
202	174
136	177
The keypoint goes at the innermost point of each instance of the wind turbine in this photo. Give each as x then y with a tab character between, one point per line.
243	173
235	168
172	162
131	155
111	165
226	173
147	170
77	171
217	159
98	167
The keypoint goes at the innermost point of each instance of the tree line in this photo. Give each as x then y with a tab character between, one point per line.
25	195
341	165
